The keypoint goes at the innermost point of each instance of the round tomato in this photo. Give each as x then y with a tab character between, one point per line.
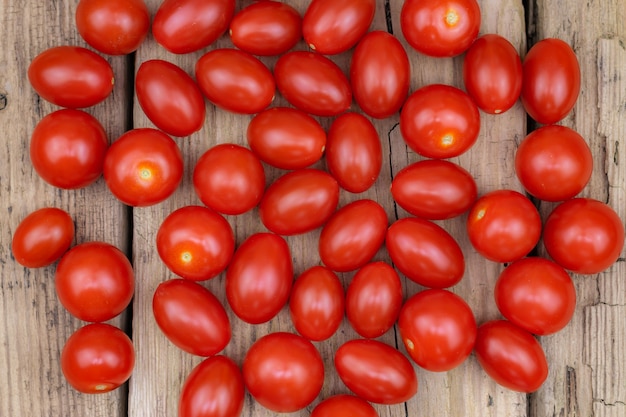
344	405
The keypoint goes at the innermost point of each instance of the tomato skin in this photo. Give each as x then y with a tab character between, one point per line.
284	372
344	405
42	237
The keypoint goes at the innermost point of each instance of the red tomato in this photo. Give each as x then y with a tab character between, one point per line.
380	74
97	358
266	28
375	371
553	163
114	27
94	281
229	179
333	26
235	80
316	305
438	329
313	83
71	76
373	299
214	388
551	80
184	26
492	73
583	235
537	295
67	148
195	242
344	405
284	372
511	356
440	28
286	138
425	252
191	317
439	121
434	189
143	167
503	226
299	201
42	237
259	278
353	235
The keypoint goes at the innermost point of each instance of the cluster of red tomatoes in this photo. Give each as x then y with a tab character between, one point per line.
284	371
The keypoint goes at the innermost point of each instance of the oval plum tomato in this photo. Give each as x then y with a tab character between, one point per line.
354	154
284	372
375	371
259	278
438	329
195	242
184	26
333	26
113	27
553	163
42	237
94	281
440	28
286	138
235	80
439	121
425	252
67	148
214	388
551	80
380	74
299	201
97	358
492	73
71	76
143	167
344	405
511	356
373	299
191	317
536	294
503	225
266	28
316	304
313	83
583	235
353	235
229	179
434	189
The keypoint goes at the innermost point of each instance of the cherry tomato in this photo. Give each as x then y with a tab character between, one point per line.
284	372
511	356
316	305
439	121
71	76
375	371
425	252
97	358
195	242
353	235
214	388
42	237
67	148
94	281
114	27
553	163
551	80
229	179
583	235
143	167
344	405
259	278
373	299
